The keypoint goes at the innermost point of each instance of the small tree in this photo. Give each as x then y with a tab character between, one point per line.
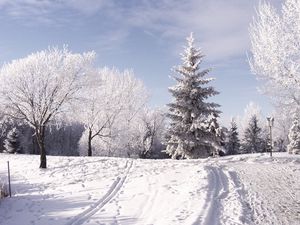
233	143
216	134
253	140
294	138
189	135
12	142
151	125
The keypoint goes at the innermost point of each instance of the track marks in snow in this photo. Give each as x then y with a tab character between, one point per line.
273	191
112	192
216	189
224	194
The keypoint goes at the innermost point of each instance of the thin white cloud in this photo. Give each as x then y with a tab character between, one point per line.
109	40
221	26
87	7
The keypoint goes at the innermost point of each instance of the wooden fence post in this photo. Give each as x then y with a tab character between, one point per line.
9	187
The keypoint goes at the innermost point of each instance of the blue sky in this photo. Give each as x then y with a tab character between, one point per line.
144	35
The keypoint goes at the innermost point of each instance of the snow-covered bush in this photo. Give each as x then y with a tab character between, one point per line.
294	137
3	189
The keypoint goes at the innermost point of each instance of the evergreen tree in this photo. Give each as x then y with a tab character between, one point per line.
12	142
233	143
253	138
216	133
190	133
294	137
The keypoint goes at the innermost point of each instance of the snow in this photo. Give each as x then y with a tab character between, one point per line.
242	189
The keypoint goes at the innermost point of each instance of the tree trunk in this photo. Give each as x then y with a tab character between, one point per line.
40	137
43	156
90	143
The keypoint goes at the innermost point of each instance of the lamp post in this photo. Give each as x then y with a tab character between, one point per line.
271	124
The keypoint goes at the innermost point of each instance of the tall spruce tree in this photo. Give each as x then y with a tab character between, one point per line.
190	134
253	138
233	143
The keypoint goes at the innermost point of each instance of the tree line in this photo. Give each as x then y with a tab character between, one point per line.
57	102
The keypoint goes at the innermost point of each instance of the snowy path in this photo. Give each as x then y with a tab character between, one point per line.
225	200
245	189
200	194
113	190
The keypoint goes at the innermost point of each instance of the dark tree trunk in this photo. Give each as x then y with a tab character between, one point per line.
90	143
43	156
40	137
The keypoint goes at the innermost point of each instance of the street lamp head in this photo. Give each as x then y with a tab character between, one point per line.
270	121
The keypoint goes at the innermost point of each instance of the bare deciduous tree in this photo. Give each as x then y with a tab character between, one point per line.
38	87
275	40
110	98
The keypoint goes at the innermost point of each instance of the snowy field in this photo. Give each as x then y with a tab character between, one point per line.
244	189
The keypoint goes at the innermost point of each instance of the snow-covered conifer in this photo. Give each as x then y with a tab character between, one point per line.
12	141
253	138
233	142
189	132
216	133
294	137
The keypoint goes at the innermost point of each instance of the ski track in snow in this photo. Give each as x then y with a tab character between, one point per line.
217	189
224	193
112	192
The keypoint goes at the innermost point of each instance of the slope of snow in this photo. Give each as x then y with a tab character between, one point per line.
243	189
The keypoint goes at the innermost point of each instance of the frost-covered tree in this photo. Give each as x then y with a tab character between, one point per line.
275	38
36	89
294	137
216	134
233	143
110	101
251	109
12	142
150	126
189	134
253	140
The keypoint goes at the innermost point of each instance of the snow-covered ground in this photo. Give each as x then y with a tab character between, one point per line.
244	189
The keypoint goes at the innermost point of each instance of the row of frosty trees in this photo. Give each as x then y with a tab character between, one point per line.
59	100
54	100
275	47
